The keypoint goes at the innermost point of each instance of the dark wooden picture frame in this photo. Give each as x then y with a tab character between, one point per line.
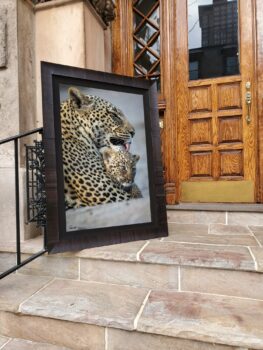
58	239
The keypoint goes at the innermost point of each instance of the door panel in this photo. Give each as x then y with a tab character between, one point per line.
216	126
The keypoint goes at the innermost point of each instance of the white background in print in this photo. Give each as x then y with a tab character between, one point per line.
122	213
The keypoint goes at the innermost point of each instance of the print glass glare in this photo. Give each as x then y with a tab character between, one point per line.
213	38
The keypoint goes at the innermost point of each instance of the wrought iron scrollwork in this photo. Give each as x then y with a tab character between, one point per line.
35	181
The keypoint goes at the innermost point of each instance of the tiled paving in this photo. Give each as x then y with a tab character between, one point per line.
201	288
198	317
22	344
233	321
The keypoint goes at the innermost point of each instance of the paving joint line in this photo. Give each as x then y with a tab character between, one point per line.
253	235
179	278
253	257
8	341
79	269
222	295
106	338
141	250
136	320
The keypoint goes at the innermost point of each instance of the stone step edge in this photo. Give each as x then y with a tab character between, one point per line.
17	342
139	261
33	334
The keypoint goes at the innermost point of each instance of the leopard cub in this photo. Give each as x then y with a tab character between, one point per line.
121	167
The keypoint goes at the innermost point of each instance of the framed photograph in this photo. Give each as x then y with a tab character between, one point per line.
104	175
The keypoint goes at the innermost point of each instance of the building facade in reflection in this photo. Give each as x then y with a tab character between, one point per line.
215	31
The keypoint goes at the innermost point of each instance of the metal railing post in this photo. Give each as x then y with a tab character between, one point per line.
18	248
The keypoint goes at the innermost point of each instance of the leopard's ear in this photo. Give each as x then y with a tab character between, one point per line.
136	157
76	96
82	101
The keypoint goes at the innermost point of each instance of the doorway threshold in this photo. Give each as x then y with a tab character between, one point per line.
238	207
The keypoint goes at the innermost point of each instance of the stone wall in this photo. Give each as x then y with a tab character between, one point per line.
70	32
61	31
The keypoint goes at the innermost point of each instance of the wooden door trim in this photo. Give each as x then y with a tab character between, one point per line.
122	63
247	53
258	8
247	64
122	44
255	208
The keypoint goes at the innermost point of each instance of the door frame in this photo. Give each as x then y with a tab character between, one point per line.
171	72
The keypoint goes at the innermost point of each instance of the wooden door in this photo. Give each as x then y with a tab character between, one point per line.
216	116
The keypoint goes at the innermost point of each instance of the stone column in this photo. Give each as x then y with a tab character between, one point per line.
70	32
17	105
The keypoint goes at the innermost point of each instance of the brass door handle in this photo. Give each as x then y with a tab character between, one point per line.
248	102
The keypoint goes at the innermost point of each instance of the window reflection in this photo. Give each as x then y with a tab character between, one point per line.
212	38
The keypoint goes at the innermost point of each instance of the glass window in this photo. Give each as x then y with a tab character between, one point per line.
212	38
146	39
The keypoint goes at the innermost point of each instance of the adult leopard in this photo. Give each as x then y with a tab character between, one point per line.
89	123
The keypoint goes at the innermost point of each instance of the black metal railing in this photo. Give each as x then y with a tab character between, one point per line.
19	262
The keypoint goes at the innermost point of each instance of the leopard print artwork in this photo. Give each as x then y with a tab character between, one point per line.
89	123
121	167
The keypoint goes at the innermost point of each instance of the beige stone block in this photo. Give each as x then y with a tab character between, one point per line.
30	246
52	266
258	232
3	39
72	335
235	283
238	240
3	340
108	50
220	229
94	45
86	302
21	344
201	255
196	217
7	204
26	67
237	218
208	318
7	260
120	340
258	254
256	229
116	252
14	289
141	275
187	228
9	94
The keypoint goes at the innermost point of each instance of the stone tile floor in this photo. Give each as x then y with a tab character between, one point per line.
215	245
22	344
211	318
202	283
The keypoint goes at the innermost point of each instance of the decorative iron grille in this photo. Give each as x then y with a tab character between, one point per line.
35	178
146	39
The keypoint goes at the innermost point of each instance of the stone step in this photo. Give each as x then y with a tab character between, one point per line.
88	315
22	344
215	258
